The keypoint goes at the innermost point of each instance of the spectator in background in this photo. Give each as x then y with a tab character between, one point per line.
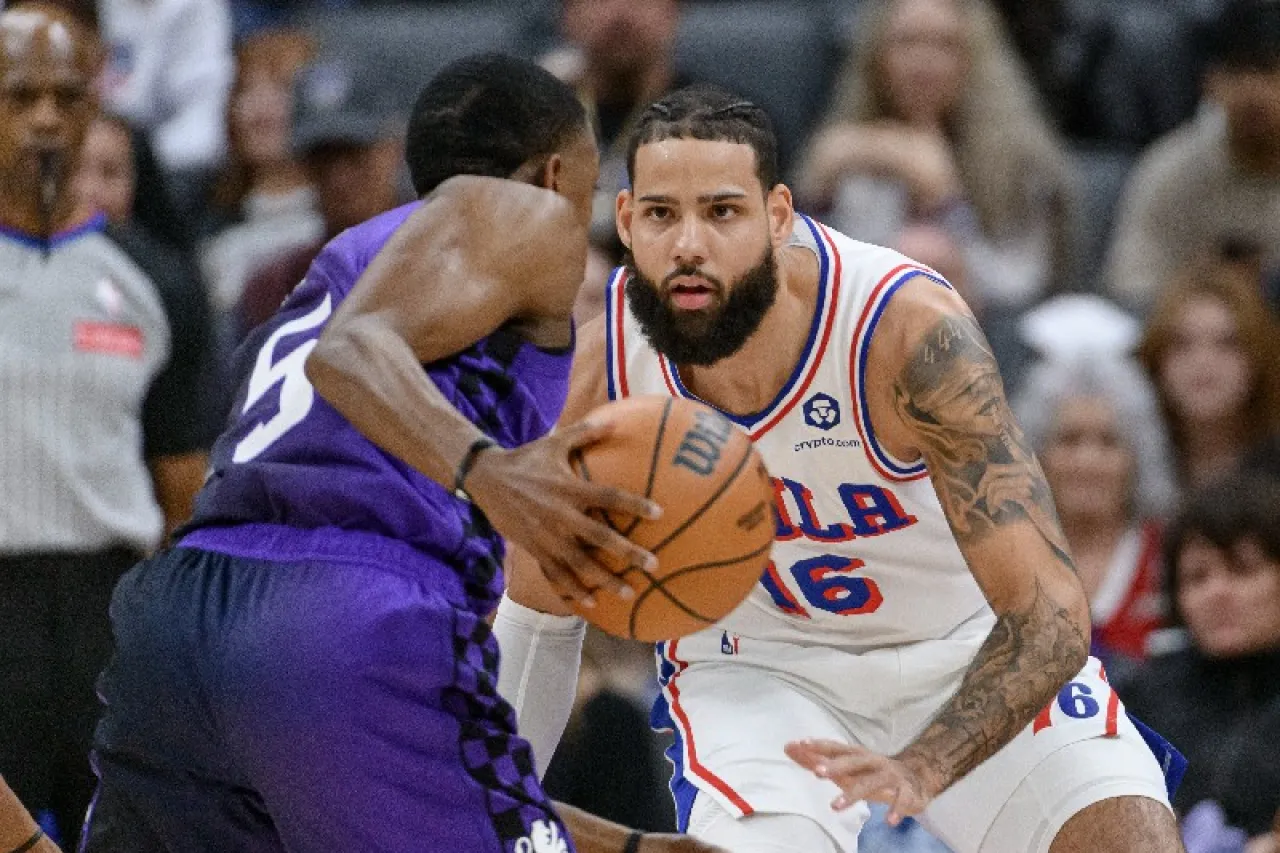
1095	425
1218	700
117	175
169	67
620	56
103	449
1212	349
934	121
263	200
351	146
1215	181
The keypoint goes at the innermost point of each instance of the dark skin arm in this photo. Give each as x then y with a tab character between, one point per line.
941	398
593	834
16	826
177	478
482	254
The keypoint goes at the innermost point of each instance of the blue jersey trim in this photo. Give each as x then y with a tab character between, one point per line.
865	347
616	278
93	224
683	792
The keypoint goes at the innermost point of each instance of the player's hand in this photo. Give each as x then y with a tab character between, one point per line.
531	495
863	775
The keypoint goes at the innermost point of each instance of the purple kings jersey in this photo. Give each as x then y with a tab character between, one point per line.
289	459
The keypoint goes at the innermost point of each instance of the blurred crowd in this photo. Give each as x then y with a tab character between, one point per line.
1099	178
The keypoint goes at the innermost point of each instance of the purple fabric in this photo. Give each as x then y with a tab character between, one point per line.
313	702
322	473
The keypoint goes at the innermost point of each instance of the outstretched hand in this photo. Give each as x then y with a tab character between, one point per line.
531	495
863	775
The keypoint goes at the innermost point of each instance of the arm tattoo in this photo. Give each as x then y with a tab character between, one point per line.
1024	661
982	467
986	478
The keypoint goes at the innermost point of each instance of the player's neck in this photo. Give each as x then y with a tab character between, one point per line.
749	380
25	215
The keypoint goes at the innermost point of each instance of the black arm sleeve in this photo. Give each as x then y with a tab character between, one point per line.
176	415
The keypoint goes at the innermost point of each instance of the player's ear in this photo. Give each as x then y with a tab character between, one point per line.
622	214
552	171
782	214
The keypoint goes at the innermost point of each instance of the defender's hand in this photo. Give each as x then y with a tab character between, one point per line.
532	497
863	775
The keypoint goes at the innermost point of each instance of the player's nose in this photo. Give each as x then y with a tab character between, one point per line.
690	248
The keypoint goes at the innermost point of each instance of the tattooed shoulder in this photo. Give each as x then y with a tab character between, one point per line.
951	395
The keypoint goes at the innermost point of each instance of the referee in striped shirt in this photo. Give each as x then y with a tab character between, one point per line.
101	434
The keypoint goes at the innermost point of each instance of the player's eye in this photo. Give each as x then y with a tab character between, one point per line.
658	214
723	211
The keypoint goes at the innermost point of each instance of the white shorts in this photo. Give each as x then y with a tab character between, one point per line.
732	713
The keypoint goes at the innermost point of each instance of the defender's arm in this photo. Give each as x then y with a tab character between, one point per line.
938	395
949	401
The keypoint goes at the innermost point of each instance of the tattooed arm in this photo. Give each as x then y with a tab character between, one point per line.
941	397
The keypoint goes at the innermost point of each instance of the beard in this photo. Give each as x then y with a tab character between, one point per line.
703	337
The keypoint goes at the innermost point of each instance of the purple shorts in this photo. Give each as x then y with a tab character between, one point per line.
275	689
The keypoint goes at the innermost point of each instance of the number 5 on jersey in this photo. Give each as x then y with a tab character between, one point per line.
296	393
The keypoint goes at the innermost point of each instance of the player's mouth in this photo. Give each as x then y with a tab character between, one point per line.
691	294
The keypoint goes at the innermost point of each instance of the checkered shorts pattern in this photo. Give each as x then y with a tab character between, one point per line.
492	753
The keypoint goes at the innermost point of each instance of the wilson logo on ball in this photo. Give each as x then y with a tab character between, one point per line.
699	450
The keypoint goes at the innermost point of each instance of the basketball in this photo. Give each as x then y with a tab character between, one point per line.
716	530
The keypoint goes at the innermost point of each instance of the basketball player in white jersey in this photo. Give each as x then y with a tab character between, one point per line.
920	637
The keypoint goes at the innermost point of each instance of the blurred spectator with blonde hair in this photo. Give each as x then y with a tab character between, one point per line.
262	197
1094	421
1212	348
934	120
1216	180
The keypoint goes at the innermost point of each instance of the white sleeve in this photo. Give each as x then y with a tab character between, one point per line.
538	672
196	81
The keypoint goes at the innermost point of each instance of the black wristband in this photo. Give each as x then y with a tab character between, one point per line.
633	842
30	842
468	460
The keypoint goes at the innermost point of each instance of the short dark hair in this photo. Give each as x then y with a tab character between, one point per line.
1240	507
488	114
1245	36
708	112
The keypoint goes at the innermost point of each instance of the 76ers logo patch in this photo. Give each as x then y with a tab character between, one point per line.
822	411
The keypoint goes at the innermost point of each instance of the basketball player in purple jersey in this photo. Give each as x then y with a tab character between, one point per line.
310	668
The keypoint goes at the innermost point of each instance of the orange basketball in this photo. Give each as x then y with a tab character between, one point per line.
716	530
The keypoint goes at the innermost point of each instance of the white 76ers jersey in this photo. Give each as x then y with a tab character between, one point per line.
863	556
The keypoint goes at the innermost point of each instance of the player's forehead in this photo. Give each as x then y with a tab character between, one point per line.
37	45
680	169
